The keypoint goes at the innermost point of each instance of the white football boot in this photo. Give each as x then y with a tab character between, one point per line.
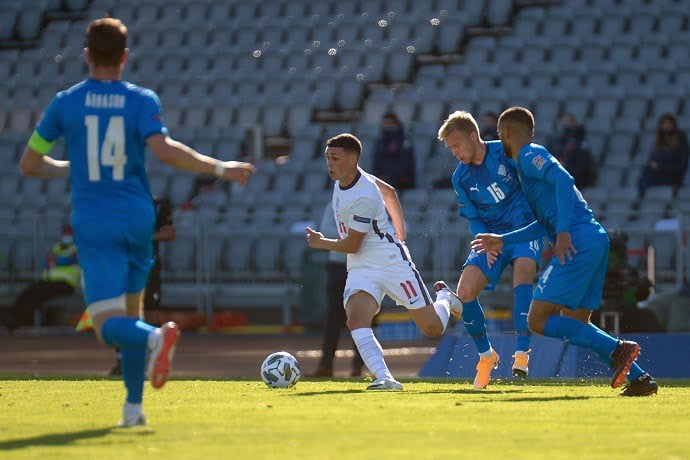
385	384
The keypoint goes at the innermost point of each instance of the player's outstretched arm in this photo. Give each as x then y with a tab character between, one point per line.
487	242
394	208
349	245
35	164
181	156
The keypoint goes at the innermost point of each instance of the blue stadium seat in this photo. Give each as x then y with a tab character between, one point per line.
399	31
399	65
350	92
424	36
376	105
451	31
324	92
528	22
499	11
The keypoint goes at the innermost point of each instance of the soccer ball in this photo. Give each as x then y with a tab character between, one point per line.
280	370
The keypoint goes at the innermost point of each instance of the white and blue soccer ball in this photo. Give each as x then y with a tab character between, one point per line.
280	370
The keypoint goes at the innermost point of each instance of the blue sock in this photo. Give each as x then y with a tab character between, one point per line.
126	332
580	334
523	297
473	318
133	373
635	369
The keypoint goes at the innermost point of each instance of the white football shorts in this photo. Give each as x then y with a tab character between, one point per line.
400	281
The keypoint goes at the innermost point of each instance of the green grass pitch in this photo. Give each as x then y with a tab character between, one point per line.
236	419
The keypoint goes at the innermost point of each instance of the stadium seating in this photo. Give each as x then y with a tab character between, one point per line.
220	66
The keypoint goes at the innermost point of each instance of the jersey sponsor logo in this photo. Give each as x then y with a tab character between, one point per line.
502	170
538	161
364	220
474	189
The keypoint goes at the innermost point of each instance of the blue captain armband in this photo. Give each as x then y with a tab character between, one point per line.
39	144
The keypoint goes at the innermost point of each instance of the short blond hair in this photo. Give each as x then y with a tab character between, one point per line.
460	121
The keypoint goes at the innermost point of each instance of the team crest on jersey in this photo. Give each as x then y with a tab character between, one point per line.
502	170
538	161
364	220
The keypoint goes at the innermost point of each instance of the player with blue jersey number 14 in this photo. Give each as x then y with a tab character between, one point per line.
489	196
571	285
106	124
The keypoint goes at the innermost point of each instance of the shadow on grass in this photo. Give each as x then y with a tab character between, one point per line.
467	391
62	439
553	398
329	392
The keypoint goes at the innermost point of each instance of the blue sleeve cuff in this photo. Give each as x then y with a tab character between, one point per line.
531	232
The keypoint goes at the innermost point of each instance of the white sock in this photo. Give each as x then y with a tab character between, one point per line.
487	353
154	338
371	352
443	311
131	410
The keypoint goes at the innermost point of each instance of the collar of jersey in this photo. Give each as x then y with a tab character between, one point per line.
359	174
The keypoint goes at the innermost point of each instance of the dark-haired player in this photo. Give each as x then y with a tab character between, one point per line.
106	124
571	285
378	262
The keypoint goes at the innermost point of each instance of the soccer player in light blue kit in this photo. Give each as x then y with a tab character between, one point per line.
489	196
106	124
571	285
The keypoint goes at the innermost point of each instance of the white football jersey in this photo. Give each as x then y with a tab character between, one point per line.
360	207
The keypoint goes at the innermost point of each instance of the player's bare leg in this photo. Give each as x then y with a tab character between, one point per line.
524	269
428	320
135	304
361	308
539	313
472	282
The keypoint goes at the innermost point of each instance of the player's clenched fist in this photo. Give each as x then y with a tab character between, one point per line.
238	171
487	242
314	238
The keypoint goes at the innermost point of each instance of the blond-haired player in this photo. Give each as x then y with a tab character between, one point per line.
489	196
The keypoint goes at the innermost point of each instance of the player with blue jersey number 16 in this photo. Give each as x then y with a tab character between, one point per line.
106	124
572	283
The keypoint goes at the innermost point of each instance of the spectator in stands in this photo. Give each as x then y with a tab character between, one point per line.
672	309
569	146
393	154
624	288
669	158
335	317
60	278
165	231
488	130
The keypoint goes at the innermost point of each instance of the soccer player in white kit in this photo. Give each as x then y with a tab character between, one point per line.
378	261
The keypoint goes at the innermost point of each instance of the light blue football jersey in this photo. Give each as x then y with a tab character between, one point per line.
540	180
105	124
490	192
